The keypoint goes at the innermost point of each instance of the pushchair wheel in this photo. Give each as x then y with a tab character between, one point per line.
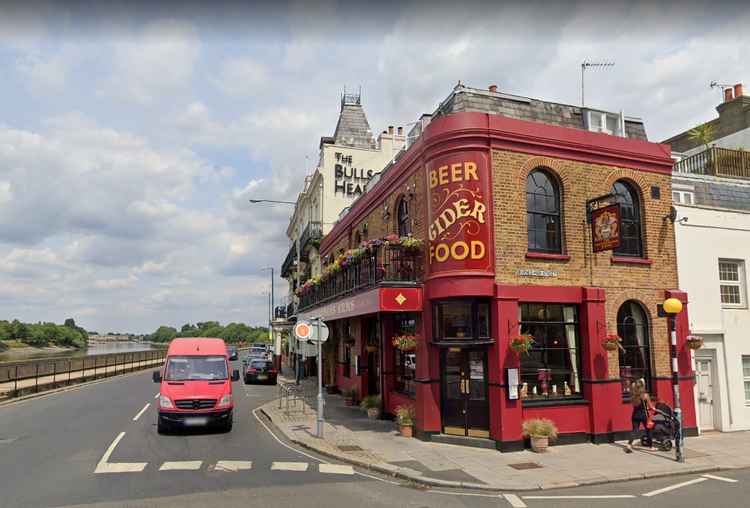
646	442
666	446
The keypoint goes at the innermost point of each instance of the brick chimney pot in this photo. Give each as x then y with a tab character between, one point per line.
493	88
738	90
728	95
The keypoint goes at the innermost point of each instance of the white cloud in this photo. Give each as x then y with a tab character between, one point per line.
120	283
242	77
6	194
159	61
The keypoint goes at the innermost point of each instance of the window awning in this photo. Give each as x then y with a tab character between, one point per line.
381	299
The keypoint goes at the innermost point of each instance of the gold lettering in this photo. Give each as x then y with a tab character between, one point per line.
462	208
470	171
433	179
456	172
464	251
477	249
478	211
441	252
443	173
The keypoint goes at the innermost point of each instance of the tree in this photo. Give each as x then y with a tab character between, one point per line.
164	334
703	134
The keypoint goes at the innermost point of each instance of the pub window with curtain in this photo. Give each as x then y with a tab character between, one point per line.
552	368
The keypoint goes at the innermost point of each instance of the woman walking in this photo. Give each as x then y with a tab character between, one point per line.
641	408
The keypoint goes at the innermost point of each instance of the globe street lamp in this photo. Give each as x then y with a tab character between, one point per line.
672	307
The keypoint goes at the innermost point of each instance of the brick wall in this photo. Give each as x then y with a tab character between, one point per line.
578	182
379	226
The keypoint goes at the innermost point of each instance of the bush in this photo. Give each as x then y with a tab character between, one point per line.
540	427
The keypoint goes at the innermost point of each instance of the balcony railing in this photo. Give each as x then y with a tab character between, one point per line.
310	236
391	264
716	162
286	266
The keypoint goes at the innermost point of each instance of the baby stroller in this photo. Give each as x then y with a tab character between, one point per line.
665	428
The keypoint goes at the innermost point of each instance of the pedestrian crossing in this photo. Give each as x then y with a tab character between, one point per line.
225	466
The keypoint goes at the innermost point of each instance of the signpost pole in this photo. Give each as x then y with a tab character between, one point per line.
320	379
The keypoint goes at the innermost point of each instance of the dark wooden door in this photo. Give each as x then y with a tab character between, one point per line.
465	408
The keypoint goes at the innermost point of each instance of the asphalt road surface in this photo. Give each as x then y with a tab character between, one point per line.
97	445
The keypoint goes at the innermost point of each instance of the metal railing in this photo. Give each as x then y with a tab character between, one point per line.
291	394
286	266
716	161
382	264
33	376
313	233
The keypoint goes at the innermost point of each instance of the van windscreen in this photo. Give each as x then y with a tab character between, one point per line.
195	368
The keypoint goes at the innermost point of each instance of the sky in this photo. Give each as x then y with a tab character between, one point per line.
133	134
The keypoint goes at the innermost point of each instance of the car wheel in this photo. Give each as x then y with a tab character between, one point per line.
228	425
247	380
161	428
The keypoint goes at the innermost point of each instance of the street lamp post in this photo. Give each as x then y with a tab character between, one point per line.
672	307
277	347
272	311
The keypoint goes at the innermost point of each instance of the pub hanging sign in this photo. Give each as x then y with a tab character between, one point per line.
605	228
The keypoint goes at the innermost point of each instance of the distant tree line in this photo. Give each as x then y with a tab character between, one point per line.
44	334
231	333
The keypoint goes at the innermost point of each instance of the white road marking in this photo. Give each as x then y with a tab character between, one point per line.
233	465
336	469
282	443
117	467
616	496
156	396
289	466
514	501
720	478
135	418
181	465
673	487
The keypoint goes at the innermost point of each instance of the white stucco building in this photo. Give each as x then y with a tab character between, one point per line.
711	192
348	160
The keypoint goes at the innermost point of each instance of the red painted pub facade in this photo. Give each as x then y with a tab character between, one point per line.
495	212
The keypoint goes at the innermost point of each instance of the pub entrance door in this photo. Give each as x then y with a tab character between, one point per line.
465	407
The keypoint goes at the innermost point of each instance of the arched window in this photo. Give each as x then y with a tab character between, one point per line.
635	355
543	212
631	242
402	217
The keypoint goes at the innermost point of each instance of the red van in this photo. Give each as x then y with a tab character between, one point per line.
196	388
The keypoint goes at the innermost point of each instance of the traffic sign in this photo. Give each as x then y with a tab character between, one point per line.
303	330
308	330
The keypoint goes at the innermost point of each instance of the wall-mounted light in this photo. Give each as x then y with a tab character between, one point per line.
671	216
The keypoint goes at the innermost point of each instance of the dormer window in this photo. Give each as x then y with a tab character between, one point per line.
607	123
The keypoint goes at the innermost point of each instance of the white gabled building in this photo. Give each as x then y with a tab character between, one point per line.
711	192
348	160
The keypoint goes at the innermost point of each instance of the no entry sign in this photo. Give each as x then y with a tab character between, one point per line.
305	330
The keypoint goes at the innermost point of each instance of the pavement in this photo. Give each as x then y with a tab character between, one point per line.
377	445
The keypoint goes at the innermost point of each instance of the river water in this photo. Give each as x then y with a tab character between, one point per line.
93	349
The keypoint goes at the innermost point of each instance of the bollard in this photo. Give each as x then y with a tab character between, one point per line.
15	383
70	362
36	378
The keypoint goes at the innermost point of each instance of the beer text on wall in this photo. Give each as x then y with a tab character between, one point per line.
459	213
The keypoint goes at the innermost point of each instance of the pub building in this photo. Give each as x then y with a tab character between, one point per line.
507	217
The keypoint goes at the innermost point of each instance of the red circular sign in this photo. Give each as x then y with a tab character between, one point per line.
302	330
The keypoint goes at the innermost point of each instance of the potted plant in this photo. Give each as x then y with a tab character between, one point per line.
612	342
405	416
371	404
522	343
540	431
694	342
350	395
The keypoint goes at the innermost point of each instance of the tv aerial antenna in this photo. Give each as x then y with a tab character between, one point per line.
591	65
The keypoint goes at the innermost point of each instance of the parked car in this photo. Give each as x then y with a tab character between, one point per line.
261	371
232	352
195	385
264	345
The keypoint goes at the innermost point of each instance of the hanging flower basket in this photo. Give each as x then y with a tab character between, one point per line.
694	342
521	344
612	342
405	342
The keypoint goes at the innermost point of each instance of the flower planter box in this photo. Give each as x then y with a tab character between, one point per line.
373	413
406	430
539	444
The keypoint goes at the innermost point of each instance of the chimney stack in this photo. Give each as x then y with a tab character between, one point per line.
728	95
738	90
390	129
400	131
493	88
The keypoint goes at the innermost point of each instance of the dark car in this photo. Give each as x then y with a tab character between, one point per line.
232	352
260	371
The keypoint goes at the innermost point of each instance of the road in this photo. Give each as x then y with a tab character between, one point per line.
97	445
